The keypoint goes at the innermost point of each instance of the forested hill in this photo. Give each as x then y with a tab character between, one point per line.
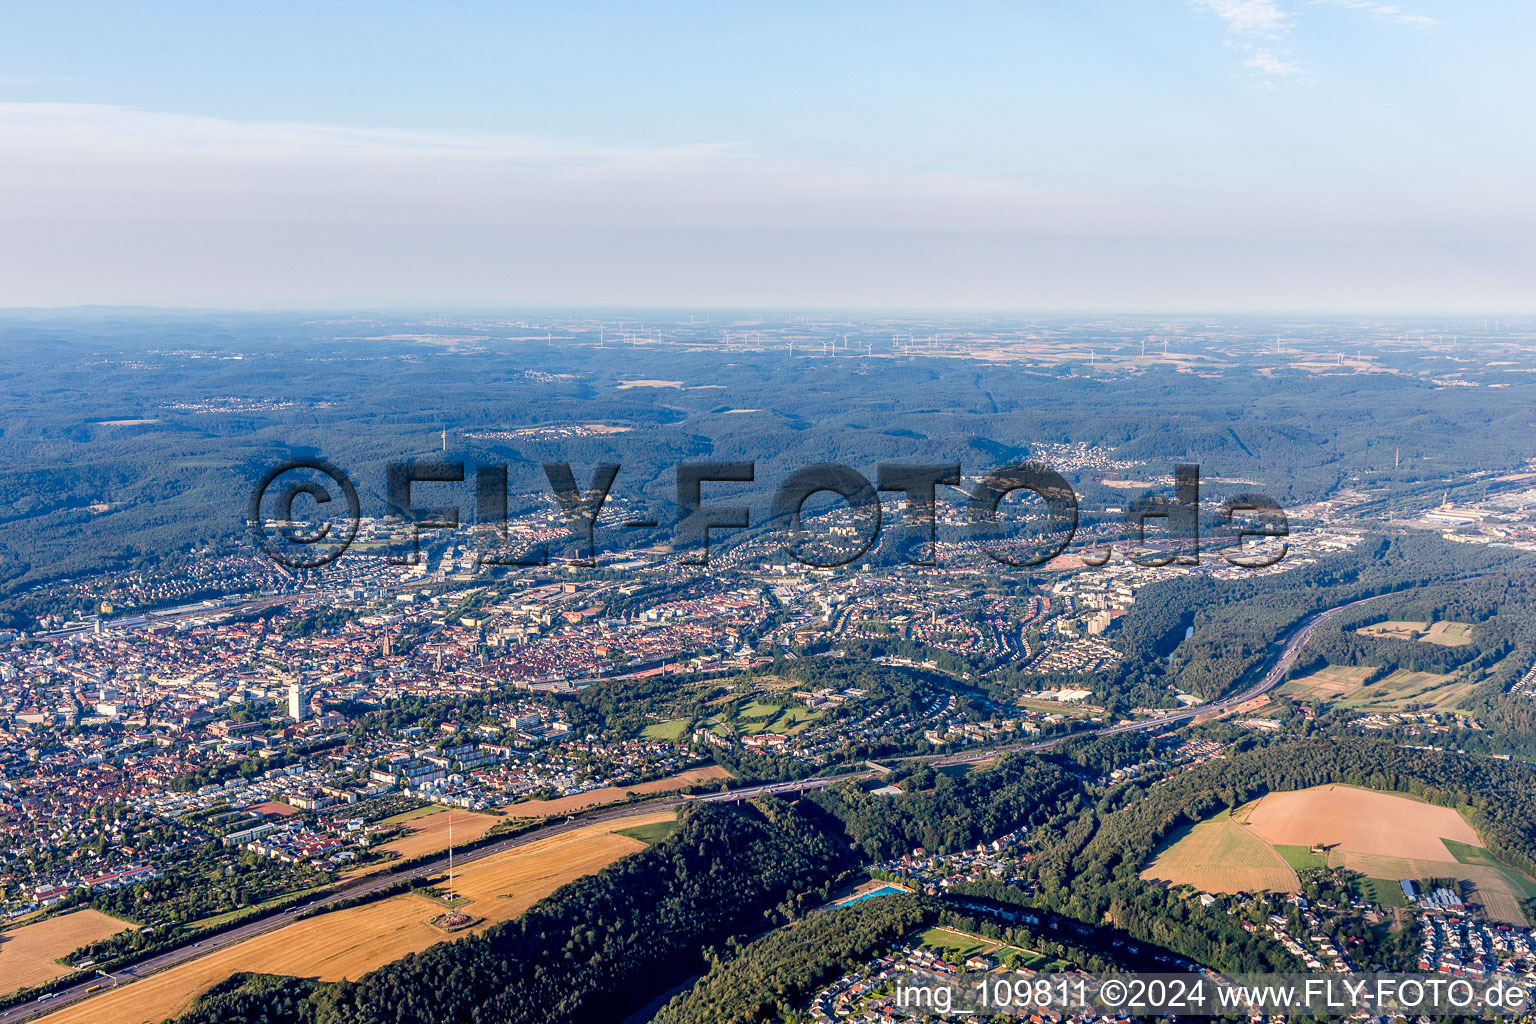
597	948
1091	872
1235	623
1501	794
778	972
944	813
136	438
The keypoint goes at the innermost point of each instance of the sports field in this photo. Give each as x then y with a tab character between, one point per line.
670	731
27	954
1382	836
350	943
957	942
612	794
1219	855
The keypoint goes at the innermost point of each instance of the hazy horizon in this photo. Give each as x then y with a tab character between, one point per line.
1224	155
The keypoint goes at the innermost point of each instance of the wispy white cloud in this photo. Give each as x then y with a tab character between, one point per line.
1268	65
1249	20
82	162
1250	17
1388	12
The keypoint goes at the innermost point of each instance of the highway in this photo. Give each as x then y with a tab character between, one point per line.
359	887
1271	679
372	883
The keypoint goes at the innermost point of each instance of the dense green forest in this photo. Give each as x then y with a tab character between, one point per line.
1204	635
136	438
943	813
777	973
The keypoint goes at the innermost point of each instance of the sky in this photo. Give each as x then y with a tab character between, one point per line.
1147	155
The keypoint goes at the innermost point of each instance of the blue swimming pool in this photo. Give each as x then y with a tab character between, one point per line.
884	890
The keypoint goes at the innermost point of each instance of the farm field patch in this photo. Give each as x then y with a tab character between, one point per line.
1444	633
1497	889
1329	683
1383	837
1346	684
1359	820
428	833
612	794
350	943
1427	691
1220	855
27	954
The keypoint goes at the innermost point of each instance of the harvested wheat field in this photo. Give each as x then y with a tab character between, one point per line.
1219	855
612	794
429	833
350	943
1360	821
1382	836
27	954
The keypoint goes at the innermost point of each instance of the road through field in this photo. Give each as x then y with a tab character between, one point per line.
1267	682
1271	679
27	953
130	977
348	943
